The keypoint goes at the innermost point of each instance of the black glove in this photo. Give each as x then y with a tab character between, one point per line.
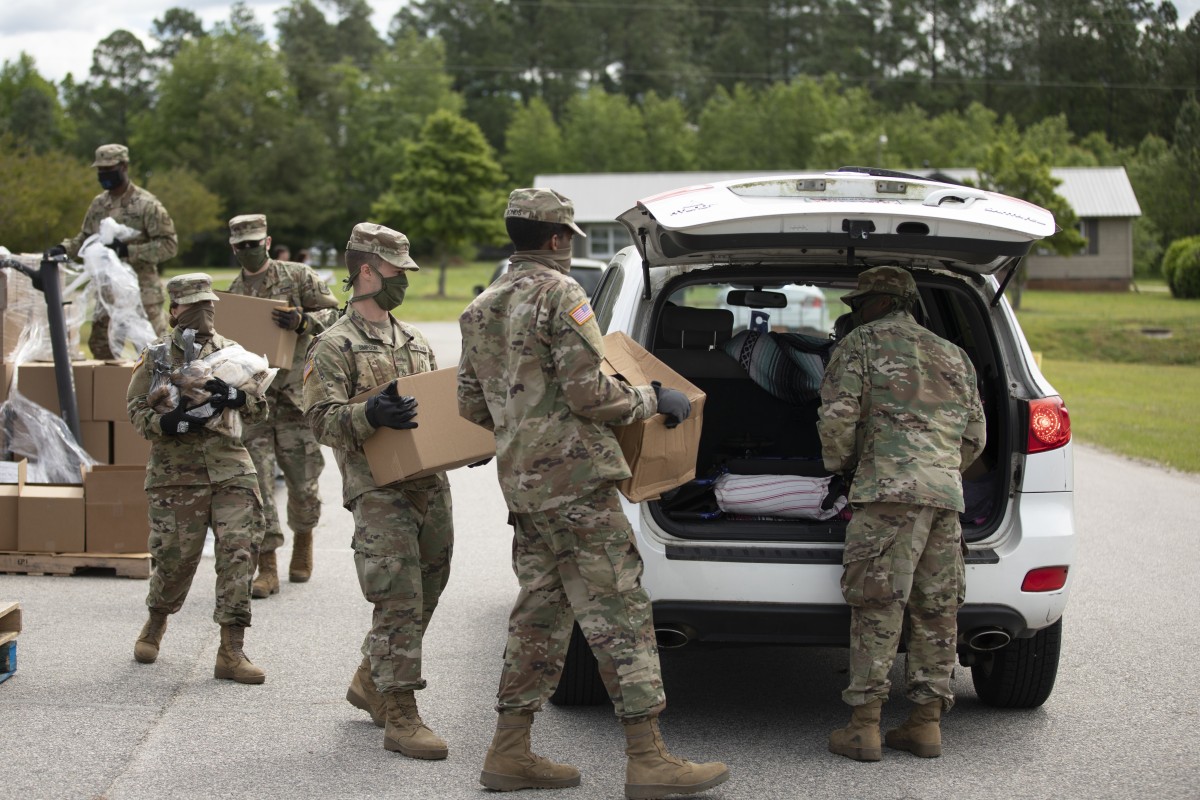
479	463
223	395
57	250
389	410
290	319
120	248
673	403
177	420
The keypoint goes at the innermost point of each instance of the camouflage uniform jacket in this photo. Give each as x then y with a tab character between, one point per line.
197	457
900	408
299	286
353	356
530	371
141	211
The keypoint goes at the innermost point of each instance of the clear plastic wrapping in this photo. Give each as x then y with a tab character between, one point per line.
112	289
26	307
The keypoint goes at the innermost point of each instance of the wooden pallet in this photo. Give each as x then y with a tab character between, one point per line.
124	565
10	626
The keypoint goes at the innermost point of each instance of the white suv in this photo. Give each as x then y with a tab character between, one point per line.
719	577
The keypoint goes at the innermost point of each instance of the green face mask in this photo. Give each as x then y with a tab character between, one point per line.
391	294
252	259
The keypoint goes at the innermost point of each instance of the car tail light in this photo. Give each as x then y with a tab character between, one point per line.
1049	425
1044	579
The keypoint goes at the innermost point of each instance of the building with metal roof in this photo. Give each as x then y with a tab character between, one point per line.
1101	197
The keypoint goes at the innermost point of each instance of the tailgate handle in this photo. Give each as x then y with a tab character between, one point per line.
960	194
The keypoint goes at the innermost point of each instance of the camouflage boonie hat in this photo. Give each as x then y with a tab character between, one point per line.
883	280
109	155
543	205
390	245
191	288
247	228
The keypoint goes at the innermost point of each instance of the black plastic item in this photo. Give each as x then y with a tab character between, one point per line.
45	280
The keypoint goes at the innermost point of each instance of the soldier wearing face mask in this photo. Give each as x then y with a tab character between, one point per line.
403	533
284	438
129	205
197	479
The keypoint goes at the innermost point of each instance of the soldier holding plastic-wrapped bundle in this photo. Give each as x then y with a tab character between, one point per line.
136	208
284	438
198	478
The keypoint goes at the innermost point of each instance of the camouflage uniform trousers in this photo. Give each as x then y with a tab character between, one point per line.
903	574
403	541
579	562
153	296
179	519
285	437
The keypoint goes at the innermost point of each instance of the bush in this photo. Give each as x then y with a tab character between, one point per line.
1181	267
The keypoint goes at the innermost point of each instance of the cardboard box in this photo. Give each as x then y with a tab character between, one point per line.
50	518
37	382
97	440
442	439
659	457
117	509
110	384
248	321
128	447
10	472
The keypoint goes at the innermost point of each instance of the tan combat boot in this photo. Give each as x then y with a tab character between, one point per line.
651	772
921	734
860	739
232	664
405	731
511	764
267	582
363	694
300	568
146	648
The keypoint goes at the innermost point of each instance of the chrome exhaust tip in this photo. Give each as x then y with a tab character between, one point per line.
987	639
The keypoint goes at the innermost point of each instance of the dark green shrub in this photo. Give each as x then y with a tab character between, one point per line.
1181	267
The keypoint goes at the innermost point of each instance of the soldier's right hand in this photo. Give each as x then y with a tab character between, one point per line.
388	410
177	421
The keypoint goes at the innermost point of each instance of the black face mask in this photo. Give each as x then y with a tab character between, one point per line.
110	178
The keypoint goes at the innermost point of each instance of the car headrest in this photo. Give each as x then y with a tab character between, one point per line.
695	328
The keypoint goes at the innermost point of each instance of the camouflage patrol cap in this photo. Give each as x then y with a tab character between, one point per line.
883	280
190	288
390	245
543	205
109	155
247	228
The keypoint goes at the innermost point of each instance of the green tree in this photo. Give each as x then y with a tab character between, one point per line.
533	143
603	132
29	107
46	195
450	193
195	210
119	87
670	138
172	29
1026	175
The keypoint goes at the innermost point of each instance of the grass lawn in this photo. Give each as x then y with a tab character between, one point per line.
1131	393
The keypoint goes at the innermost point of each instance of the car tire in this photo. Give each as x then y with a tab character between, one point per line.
1021	674
579	684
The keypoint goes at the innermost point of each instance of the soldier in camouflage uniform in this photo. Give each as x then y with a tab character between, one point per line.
404	532
530	372
133	206
285	436
196	479
901	411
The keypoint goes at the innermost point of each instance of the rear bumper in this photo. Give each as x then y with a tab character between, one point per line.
806	625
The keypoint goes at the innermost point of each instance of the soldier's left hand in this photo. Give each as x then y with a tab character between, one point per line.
290	318
223	395
673	403
120	248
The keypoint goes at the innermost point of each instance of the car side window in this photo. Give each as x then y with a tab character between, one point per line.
606	294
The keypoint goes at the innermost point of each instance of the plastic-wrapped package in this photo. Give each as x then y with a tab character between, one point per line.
26	307
35	432
234	365
112	288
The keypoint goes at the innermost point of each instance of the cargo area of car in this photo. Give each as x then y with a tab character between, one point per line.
753	426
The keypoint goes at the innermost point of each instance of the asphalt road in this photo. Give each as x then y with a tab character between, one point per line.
81	719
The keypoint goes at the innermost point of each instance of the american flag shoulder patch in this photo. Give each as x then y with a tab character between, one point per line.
308	368
582	312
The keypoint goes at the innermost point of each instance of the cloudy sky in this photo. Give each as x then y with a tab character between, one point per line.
61	34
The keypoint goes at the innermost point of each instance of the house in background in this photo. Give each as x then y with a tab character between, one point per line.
1101	197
